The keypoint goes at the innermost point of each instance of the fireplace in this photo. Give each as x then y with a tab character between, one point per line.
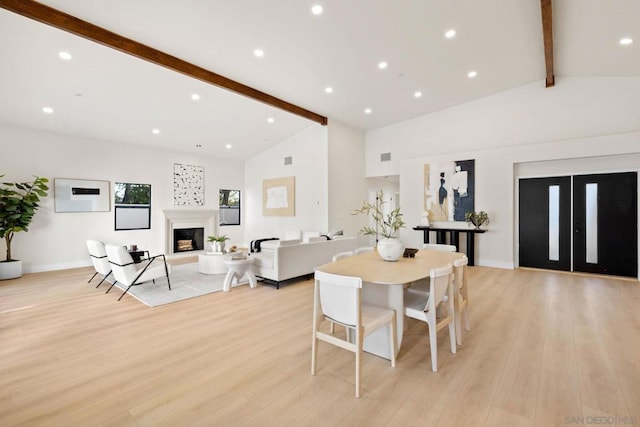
188	239
180	222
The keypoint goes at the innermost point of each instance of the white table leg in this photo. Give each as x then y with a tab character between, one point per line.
253	282
228	280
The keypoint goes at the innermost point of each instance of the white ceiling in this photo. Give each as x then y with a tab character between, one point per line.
105	94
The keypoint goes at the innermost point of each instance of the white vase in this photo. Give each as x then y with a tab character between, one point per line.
390	249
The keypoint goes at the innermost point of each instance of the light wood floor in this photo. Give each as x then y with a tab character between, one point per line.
546	349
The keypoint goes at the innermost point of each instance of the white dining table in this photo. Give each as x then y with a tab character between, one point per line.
383	284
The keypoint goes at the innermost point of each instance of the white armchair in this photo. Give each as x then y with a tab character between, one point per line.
99	259
127	272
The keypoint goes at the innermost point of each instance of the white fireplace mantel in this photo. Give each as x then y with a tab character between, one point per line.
188	218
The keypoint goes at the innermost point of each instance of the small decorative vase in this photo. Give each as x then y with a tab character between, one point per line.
390	249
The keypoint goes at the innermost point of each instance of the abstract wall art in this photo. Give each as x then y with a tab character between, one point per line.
279	197
449	190
188	185
77	195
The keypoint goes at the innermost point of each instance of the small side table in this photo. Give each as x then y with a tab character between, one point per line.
239	268
212	263
137	255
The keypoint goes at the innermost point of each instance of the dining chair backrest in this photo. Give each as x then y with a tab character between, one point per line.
439	247
440	279
342	255
122	265
340	297
363	250
99	256
460	278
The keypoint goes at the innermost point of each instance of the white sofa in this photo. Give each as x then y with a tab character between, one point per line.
281	260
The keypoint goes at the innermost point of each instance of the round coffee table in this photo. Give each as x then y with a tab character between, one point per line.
239	268
212	263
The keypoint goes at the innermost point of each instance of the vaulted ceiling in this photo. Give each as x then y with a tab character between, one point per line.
101	93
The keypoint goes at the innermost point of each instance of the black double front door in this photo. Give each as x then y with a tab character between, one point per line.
596	215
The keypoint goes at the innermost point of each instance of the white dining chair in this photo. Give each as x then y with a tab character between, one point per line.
337	298
363	250
99	260
461	296
341	255
422	286
423	307
127	272
336	257
439	247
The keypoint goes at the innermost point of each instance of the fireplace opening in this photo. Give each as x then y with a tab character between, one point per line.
188	239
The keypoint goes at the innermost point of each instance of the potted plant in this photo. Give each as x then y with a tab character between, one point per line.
217	242
19	202
390	248
477	219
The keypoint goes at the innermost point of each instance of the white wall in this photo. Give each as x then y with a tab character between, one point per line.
308	150
579	118
57	240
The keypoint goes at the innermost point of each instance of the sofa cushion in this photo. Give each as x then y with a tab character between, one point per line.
272	244
293	235
306	235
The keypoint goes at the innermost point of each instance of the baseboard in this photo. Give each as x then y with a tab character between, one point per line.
52	267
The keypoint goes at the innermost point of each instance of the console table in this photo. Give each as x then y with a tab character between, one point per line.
454	237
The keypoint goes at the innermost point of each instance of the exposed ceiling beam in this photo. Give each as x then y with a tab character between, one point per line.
547	33
63	21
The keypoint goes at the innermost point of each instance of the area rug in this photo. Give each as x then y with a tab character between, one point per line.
186	283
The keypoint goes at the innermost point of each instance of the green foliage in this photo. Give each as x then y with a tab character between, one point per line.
19	202
132	194
221	238
386	226
230	198
477	218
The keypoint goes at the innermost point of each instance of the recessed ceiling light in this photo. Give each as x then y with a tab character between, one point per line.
626	41
328	89
47	110
155	131
259	53
367	110
450	34
271	120
417	94
316	9
228	146
64	55
382	65
471	74
195	96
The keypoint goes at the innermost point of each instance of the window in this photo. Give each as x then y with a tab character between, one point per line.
132	206
229	207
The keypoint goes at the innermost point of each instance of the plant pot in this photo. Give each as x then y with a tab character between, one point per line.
10	269
477	224
390	249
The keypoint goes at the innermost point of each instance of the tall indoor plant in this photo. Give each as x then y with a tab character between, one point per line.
390	248
19	202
